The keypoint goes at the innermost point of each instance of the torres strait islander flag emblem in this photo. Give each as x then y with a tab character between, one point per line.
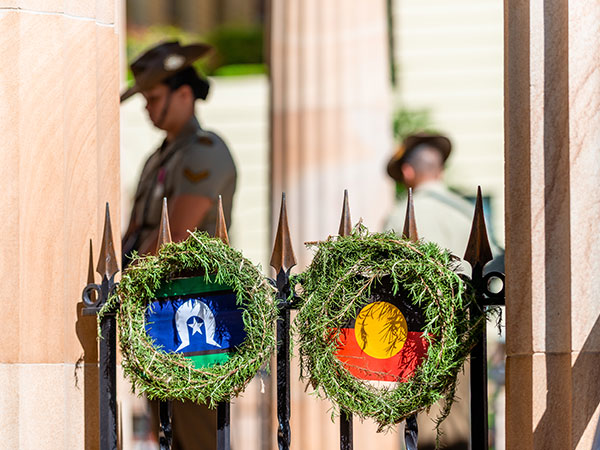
385	341
198	319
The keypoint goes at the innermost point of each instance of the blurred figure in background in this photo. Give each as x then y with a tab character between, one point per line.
191	169
193	166
442	216
445	218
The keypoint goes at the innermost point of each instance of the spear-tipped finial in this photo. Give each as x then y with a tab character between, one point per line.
90	278
345	221
478	251
221	227
283	253
91	265
107	261
164	231
410	225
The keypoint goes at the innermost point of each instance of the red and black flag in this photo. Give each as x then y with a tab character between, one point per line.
385	341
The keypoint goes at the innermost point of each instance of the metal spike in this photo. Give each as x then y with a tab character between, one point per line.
410	225
107	261
221	227
90	278
283	253
164	231
478	249
345	221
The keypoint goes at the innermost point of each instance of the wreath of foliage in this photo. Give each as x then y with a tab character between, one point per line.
337	285
171	376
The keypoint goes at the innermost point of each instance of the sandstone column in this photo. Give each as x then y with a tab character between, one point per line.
331	129
59	164
331	124
552	129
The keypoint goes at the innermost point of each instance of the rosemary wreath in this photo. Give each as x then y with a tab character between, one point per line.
338	284
171	376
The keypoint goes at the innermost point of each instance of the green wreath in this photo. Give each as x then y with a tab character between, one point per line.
171	376
338	284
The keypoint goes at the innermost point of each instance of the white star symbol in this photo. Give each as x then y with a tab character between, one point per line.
195	326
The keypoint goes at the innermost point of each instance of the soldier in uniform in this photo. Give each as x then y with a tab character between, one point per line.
443	216
191	169
193	166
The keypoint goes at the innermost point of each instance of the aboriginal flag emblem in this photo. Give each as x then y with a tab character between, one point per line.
385	341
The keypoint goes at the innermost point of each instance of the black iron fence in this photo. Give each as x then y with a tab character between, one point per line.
478	254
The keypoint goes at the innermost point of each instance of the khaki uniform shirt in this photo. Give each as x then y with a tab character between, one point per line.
196	162
441	216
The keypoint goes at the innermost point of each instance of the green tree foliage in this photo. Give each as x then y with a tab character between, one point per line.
408	121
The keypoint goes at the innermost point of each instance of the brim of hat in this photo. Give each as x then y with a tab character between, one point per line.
129	92
394	165
192	53
441	143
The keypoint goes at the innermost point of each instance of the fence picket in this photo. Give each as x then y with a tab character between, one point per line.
346	428
282	260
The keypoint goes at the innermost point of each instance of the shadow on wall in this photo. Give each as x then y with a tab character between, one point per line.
87	365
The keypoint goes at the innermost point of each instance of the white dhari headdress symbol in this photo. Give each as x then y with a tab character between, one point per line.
199	309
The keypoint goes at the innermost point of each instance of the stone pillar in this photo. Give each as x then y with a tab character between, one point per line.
552	130
331	129
59	164
331	124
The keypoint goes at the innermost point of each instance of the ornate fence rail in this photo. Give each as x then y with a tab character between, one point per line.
477	254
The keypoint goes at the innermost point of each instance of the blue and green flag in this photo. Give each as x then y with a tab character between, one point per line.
199	319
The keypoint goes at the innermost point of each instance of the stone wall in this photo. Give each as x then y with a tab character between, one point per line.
59	165
552	151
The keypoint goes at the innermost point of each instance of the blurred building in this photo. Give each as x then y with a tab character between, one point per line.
199	16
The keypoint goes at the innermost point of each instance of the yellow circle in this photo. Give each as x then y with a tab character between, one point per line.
380	330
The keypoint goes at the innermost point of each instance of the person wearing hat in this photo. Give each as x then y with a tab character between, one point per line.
442	216
191	168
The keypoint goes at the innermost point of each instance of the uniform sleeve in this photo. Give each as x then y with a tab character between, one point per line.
205	169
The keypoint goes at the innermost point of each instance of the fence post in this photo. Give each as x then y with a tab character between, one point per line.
411	428
223	408
165	434
346	426
478	254
107	268
282	260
